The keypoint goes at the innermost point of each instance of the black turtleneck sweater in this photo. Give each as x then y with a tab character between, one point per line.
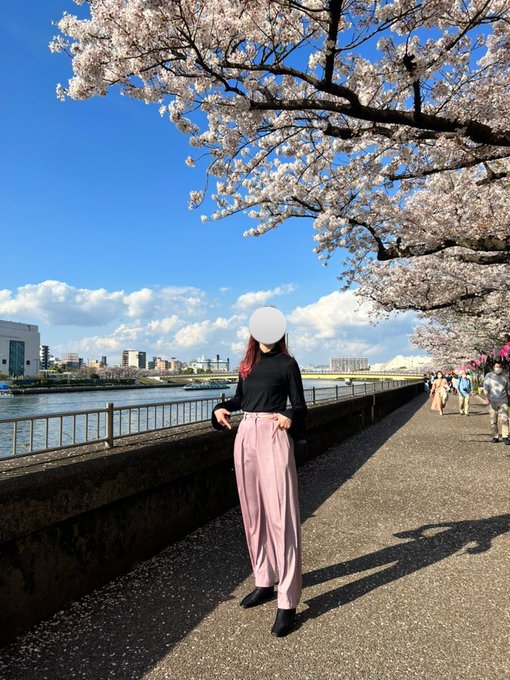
272	380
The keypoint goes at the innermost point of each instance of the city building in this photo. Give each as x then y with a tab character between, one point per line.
348	364
19	349
162	364
314	368
44	357
214	365
71	360
94	363
103	361
175	365
133	358
159	364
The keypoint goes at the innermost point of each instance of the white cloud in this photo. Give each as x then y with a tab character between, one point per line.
123	337
60	304
331	314
201	333
310	347
140	304
165	326
242	336
260	298
179	321
339	324
183	300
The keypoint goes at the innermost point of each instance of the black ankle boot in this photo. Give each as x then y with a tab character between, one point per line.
257	596
284	622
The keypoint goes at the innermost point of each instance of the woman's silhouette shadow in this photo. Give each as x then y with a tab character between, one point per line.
403	559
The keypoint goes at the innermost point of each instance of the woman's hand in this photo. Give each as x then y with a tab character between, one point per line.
223	417
283	423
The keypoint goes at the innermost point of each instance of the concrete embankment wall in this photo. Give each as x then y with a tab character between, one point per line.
70	526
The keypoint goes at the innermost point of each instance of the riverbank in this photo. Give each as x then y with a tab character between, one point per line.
93	388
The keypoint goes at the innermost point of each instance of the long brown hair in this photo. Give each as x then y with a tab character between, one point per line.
253	353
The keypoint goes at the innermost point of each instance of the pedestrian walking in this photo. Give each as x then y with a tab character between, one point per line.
465	392
455	382
449	380
426	382
497	391
264	463
439	393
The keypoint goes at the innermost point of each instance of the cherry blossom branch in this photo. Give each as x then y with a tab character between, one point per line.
335	10
475	131
467	163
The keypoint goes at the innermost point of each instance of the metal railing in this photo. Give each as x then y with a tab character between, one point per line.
341	392
29	435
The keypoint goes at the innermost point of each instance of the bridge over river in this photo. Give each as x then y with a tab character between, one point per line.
322	375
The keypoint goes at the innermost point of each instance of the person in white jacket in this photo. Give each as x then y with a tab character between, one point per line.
497	390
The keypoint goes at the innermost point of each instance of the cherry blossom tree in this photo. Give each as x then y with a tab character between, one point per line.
454	339
386	123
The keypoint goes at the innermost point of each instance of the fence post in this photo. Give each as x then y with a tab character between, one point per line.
313	394
222	397
336	390
109	426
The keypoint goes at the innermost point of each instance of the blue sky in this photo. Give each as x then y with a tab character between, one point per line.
100	250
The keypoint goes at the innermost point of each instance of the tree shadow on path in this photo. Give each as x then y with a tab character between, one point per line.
420	551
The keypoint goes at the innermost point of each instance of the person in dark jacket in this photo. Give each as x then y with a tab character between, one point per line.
265	466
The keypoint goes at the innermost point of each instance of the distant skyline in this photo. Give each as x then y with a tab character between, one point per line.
186	322
99	247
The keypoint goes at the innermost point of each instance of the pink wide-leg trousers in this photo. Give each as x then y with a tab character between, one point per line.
267	484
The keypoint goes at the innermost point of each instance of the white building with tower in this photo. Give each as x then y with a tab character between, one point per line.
348	364
133	358
19	349
205	364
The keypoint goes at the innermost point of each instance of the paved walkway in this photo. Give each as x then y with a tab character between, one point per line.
406	557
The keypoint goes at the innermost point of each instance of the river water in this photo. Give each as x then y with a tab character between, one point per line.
38	404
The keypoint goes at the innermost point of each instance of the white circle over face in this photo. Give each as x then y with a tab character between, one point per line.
267	325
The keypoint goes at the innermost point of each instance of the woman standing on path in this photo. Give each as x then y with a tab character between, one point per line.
439	393
264	463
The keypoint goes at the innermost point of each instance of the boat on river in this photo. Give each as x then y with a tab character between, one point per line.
5	390
207	385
